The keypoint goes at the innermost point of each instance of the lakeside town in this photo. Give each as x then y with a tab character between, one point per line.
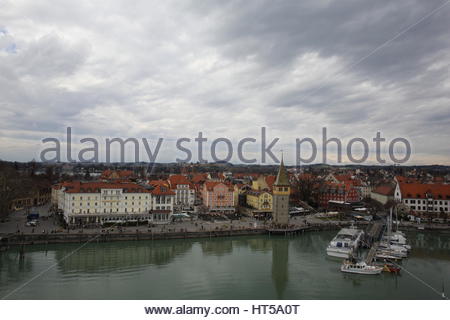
94	198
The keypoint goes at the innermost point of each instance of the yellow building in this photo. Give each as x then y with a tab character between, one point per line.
259	200
260	183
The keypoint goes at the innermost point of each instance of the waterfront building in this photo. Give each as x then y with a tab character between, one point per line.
259	197
103	202
184	192
259	200
218	196
162	208
421	198
281	192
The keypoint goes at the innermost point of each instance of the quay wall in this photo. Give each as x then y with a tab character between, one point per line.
81	237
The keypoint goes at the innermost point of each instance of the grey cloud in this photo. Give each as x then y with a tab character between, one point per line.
173	68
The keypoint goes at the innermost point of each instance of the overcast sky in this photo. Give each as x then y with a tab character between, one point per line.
170	69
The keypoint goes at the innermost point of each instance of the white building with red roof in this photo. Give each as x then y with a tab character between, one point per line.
184	192
423	197
113	202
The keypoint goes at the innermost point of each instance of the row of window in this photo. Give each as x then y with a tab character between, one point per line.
96	198
108	210
413	201
424	208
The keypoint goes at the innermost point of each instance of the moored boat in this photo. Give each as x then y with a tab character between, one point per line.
360	268
345	243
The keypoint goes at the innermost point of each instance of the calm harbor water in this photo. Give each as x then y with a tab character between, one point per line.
226	268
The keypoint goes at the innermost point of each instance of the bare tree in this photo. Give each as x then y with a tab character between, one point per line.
306	188
8	188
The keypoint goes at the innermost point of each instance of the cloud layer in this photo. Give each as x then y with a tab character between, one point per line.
173	68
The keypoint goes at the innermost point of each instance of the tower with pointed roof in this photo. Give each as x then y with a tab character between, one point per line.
281	192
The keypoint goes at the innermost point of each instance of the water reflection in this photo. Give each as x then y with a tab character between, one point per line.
258	267
123	255
280	257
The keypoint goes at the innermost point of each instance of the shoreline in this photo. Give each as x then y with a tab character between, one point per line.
81	237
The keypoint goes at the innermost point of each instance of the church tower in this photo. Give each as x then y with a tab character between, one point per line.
281	191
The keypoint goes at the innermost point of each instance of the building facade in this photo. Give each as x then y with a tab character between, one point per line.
259	200
108	202
330	191
218	197
424	198
184	192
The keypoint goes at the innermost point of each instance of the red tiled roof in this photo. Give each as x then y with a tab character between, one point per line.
94	187
343	177
177	179
160	190
200	177
155	183
420	190
270	180
210	185
386	190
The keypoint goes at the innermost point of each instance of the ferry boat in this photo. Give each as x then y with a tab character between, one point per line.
360	268
344	243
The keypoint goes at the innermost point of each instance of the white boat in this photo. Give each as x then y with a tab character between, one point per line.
344	243
360	268
403	249
386	256
396	238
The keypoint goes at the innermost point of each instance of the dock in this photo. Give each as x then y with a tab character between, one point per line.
373	250
287	231
373	233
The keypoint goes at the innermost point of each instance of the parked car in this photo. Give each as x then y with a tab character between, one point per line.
32	224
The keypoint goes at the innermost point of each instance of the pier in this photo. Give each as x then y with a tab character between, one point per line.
373	250
373	233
